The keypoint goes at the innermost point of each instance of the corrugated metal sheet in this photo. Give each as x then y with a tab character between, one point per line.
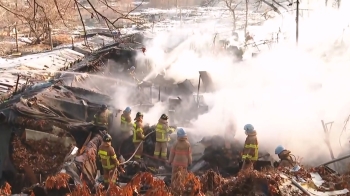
44	63
95	43
50	60
31	65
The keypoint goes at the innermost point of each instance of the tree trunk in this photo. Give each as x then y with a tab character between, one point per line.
246	16
234	20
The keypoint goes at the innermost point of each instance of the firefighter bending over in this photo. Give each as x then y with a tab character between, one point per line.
103	117
138	135
286	158
181	153
126	123
108	158
250	150
162	137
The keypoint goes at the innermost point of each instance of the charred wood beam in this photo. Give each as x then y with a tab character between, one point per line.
85	164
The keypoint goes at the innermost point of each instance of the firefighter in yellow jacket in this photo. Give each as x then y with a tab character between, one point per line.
108	158
103	117
162	137
250	150
138	135
126	124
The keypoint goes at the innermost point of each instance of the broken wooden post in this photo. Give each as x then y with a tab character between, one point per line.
17	83
72	43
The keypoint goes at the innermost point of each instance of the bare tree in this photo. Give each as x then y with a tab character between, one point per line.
231	6
39	15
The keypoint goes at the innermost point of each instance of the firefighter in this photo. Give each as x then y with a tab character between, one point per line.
181	153
138	135
125	123
286	158
250	150
108	158
102	117
162	137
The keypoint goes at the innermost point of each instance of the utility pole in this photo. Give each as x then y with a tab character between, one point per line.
297	24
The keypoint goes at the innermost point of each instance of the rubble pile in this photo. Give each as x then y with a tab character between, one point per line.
250	182
142	183
210	181
43	156
331	181
185	183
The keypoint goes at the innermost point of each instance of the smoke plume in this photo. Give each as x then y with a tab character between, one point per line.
285	92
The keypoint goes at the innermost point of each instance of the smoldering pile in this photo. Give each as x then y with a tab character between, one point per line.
211	183
43	156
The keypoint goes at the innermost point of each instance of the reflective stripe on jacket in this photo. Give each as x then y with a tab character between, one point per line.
138	133
124	124
101	118
162	133
181	153
108	157
251	147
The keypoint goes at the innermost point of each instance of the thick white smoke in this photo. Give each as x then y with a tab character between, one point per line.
285	92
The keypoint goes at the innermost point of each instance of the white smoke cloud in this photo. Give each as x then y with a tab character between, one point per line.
285	92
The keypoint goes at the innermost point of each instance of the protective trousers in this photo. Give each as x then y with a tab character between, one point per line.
107	174
248	165
139	152
175	169
161	148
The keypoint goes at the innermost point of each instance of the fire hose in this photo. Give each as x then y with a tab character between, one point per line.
115	172
132	156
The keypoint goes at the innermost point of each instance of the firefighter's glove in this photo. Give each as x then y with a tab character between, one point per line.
275	164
